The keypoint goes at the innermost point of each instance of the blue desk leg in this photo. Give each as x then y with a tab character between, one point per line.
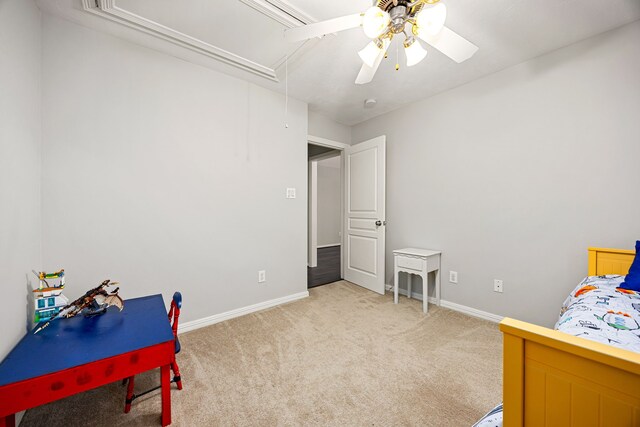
8	421
165	381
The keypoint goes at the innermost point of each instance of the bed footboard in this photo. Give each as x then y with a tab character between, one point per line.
555	379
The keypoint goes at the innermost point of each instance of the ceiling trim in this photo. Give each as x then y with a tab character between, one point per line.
109	10
281	12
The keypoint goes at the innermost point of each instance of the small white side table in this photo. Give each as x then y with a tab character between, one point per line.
420	262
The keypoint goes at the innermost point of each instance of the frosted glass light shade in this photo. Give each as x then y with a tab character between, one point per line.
370	52
375	22
415	53
431	19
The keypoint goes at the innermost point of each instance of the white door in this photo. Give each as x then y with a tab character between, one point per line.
365	214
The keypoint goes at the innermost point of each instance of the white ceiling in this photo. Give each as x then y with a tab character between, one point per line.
322	73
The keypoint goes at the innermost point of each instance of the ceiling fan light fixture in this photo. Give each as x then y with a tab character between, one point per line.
371	52
431	19
375	22
414	51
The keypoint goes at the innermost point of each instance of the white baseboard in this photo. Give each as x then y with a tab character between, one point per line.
328	246
454	306
221	317
472	311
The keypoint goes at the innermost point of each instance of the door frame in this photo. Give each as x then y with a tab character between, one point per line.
312	199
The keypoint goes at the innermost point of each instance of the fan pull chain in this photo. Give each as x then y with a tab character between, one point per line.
397	57
286	91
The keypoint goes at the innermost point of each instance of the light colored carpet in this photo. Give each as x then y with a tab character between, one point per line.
343	356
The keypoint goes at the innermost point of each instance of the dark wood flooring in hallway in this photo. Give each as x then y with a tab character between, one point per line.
328	269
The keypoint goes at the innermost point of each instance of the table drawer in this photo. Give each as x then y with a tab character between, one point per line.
433	263
410	263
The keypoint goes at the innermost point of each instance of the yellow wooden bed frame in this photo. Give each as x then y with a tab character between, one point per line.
555	379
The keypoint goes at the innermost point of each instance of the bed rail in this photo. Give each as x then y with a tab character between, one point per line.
556	379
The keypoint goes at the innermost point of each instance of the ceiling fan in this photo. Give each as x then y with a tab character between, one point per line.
388	18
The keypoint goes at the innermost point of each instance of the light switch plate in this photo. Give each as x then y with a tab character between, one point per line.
291	193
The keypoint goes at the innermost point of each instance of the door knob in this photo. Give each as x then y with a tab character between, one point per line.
378	223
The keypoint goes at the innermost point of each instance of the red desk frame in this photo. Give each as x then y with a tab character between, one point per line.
102	350
37	391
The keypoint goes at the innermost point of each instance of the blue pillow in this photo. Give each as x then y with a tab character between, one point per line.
632	281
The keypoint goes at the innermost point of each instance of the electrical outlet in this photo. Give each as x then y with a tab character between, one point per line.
262	276
453	276
291	193
497	286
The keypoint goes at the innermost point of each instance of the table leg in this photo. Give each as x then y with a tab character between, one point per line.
438	287
409	279
8	421
165	381
425	292
396	276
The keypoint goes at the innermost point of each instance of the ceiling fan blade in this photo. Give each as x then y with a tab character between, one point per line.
322	28
451	44
366	73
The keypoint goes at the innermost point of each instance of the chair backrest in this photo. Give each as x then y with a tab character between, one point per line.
174	312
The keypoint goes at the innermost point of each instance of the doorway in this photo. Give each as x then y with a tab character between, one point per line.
361	255
325	215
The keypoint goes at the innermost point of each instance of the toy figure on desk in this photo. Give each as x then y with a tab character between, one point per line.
93	303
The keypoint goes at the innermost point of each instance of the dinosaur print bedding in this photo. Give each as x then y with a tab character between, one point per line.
596	310
600	311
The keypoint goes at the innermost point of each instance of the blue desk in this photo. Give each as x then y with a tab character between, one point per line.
78	354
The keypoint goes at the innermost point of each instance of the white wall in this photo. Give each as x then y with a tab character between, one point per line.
322	126
514	175
168	176
329	193
20	150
